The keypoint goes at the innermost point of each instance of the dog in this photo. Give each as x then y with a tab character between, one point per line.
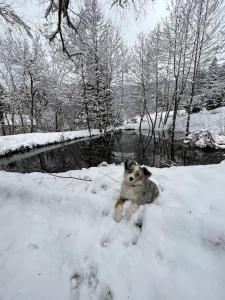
136	187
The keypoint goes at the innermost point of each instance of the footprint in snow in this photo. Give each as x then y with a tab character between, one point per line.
90	284
103	186
105	242
217	242
134	226
138	225
33	246
159	255
94	190
105	213
76	281
137	233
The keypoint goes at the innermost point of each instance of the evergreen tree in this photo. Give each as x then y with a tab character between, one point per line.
211	88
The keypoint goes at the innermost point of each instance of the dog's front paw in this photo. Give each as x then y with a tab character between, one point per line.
118	215
127	215
130	210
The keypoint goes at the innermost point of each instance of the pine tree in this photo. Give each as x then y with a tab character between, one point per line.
211	87
96	68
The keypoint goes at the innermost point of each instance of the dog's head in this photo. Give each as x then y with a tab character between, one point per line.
134	174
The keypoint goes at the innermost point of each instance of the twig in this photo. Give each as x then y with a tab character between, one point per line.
162	163
70	177
169	163
173	163
109	176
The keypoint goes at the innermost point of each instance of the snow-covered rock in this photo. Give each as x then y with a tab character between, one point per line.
58	239
205	139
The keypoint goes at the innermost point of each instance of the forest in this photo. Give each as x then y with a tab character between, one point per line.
76	72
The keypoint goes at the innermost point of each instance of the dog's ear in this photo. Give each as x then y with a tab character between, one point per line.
146	172
128	163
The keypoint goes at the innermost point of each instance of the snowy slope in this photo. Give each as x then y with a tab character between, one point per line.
31	140
201	123
213	120
59	241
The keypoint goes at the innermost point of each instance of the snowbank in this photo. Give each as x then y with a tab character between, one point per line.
202	123
59	241
203	139
211	120
29	141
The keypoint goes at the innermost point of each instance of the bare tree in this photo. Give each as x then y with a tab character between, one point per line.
69	15
207	24
12	19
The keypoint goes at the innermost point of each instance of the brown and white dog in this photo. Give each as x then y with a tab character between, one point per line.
137	188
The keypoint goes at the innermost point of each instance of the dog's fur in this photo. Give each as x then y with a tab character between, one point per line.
137	188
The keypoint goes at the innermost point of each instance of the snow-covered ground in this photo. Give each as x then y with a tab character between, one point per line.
58	239
212	121
28	141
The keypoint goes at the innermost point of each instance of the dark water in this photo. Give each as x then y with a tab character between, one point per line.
114	148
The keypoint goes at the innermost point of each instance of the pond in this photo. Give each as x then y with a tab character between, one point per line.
157	151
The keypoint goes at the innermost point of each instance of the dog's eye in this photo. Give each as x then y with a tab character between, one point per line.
137	174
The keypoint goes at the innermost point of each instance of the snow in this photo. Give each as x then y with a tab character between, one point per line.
202	123
10	119
220	141
27	141
212	120
59	239
204	139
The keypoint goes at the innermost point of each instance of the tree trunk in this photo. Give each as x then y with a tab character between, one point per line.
85	101
2	120
56	122
32	94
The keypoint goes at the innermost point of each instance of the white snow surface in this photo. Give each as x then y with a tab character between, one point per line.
212	121
58	239
10	119
31	140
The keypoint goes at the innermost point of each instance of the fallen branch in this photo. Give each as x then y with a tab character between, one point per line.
70	177
173	163
169	163
162	163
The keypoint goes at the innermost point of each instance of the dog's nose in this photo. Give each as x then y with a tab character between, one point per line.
131	178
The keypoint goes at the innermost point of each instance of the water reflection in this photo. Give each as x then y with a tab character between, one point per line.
156	150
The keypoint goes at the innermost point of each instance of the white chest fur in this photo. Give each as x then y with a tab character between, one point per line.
129	192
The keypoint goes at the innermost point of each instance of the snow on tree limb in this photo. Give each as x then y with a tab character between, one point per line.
11	18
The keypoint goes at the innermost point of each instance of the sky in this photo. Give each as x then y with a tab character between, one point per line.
32	12
130	25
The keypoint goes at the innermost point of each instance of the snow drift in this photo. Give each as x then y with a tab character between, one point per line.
59	240
202	124
28	141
